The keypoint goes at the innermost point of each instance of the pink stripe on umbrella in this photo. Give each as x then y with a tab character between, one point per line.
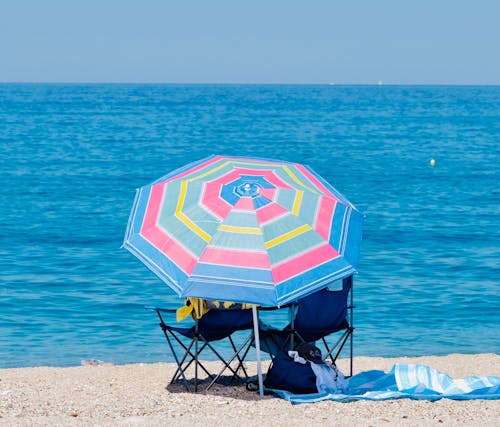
324	217
245	204
234	257
268	193
159	238
212	200
269	212
227	178
269	175
315	181
153	208
302	263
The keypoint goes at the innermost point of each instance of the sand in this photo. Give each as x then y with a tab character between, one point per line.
139	395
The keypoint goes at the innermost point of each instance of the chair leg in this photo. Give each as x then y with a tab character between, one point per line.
189	353
192	353
248	344
196	364
227	365
300	340
188	364
165	330
328	351
339	344
351	336
182	365
351	322
179	364
193	356
240	361
245	353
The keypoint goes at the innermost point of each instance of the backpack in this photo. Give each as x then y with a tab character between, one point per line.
285	374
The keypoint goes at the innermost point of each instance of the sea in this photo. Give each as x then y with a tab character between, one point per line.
422	163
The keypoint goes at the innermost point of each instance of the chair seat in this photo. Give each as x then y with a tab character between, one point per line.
218	324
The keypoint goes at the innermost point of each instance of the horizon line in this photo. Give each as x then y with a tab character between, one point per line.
380	83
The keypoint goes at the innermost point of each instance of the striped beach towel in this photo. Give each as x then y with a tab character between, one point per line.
405	381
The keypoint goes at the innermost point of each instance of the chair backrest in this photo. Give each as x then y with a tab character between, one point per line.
322	312
218	324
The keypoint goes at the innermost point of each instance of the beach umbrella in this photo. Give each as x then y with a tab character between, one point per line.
246	230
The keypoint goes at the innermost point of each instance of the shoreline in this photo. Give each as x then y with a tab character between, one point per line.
137	394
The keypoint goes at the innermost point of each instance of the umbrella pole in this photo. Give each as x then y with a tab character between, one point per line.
257	348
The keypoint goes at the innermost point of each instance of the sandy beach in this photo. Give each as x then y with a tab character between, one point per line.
132	395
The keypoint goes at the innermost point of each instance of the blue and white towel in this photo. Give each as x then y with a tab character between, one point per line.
329	378
411	381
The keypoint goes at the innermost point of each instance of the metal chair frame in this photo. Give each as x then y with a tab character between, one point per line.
294	339
191	355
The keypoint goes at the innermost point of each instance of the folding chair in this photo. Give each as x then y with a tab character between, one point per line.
314	318
213	326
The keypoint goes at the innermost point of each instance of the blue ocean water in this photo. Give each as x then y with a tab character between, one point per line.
72	156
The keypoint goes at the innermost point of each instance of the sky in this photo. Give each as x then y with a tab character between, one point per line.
251	41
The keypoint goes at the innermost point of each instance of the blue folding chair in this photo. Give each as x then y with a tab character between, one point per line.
315	318
213	326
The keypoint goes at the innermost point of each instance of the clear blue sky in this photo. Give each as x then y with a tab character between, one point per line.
251	41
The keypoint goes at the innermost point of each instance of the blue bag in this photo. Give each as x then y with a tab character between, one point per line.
285	374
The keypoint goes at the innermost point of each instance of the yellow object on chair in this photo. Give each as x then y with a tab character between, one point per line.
196	307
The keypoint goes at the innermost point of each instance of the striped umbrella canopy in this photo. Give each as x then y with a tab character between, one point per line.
245	230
